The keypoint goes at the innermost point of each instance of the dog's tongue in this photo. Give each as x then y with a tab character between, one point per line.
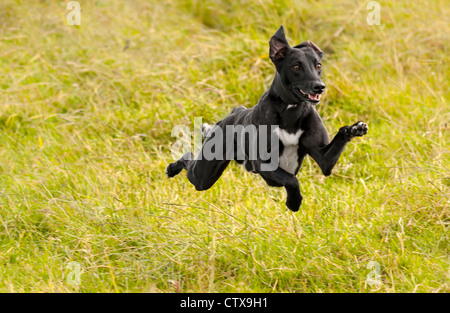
314	97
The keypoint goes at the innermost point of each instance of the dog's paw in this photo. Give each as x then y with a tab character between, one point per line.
359	129
173	169
293	203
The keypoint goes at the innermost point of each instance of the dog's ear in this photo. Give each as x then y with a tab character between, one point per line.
278	45
312	45
316	48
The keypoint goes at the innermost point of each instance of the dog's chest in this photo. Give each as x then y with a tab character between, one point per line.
289	157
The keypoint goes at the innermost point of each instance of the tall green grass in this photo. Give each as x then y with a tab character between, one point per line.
86	114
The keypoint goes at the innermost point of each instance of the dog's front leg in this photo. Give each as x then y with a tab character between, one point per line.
290	182
327	155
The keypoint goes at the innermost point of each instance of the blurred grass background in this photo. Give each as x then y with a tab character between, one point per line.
86	114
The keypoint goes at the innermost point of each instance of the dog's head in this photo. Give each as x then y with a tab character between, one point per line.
299	67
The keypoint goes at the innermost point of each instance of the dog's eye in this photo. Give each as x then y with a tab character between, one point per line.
318	66
296	67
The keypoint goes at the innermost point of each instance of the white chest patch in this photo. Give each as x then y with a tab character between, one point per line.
288	139
289	157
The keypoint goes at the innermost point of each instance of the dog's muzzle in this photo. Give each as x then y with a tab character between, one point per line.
311	97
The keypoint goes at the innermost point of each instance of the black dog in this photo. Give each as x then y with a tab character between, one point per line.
290	104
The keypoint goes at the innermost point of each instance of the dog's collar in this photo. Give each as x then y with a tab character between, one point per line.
290	106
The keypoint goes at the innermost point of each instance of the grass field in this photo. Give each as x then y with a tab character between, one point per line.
86	114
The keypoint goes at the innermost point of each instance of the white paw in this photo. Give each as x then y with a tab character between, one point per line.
359	129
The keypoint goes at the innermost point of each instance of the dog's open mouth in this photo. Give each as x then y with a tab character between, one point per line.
315	98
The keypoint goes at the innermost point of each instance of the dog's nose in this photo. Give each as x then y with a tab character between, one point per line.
319	88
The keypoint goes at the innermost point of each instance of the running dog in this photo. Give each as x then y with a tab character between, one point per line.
289	104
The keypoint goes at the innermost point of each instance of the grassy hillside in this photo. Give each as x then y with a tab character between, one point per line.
86	114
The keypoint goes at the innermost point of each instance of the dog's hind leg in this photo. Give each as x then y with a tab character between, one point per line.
202	173
175	168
